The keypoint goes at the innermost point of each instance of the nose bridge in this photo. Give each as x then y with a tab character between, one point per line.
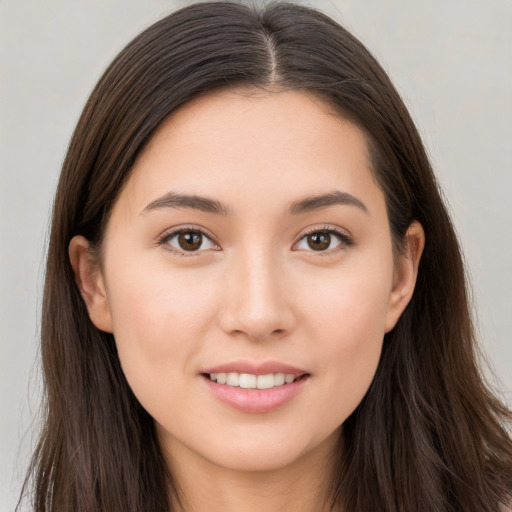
255	302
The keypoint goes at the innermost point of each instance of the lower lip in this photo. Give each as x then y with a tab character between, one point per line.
256	401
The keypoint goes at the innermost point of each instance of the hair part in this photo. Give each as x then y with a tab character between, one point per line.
427	436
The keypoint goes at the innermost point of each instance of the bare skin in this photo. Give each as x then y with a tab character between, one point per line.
277	490
250	234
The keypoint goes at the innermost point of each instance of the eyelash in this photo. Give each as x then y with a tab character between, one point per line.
345	240
166	237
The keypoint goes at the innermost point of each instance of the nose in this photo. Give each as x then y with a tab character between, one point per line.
257	301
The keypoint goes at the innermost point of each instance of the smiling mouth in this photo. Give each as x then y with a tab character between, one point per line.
252	381
269	387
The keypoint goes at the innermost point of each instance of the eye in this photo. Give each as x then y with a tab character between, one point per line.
323	240
189	240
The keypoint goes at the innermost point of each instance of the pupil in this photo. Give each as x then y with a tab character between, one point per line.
319	241
190	240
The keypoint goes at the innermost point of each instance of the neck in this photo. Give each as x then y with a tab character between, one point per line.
302	486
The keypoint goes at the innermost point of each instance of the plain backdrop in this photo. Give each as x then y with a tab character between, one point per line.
450	59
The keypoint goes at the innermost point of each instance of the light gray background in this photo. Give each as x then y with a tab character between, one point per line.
450	59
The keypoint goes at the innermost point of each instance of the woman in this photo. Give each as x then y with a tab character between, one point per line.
254	295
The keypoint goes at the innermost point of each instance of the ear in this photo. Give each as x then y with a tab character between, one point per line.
90	282
406	271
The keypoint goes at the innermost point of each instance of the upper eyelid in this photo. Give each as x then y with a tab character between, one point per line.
325	228
171	232
346	240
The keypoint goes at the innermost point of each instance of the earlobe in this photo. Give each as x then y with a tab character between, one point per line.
406	272
90	282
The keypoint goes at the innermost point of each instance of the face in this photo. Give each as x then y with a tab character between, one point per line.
250	245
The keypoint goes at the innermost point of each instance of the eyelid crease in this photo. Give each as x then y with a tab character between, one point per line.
345	239
328	228
170	233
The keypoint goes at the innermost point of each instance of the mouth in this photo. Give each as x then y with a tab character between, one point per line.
255	388
253	381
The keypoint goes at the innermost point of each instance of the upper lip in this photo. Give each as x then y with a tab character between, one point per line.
256	368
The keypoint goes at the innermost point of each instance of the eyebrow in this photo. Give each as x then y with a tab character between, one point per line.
325	200
188	201
207	205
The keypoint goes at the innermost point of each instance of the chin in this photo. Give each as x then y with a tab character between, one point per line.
258	460
268	454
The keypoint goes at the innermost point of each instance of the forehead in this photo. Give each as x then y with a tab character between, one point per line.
246	145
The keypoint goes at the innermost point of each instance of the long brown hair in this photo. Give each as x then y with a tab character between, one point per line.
428	436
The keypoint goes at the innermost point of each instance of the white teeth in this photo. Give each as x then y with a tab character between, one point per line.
250	381
233	379
289	378
265	381
247	381
280	379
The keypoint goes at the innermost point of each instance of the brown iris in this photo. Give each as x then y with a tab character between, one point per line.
190	240
319	241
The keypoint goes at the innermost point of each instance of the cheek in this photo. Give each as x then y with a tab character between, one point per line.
349	306
159	319
347	318
155	306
